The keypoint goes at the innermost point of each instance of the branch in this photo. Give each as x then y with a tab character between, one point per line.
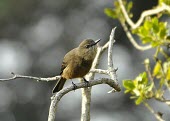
144	14
132	40
163	100
158	117
148	70
15	76
111	69
100	71
56	98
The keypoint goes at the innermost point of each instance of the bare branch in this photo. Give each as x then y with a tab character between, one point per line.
104	47
110	49
111	69
132	40
148	70
16	76
163	100
56	98
152	111
100	71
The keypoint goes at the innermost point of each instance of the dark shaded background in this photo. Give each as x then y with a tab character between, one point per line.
34	37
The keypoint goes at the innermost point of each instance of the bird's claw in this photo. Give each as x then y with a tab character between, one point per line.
74	86
86	82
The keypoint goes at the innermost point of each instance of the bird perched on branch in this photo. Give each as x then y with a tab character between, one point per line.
77	62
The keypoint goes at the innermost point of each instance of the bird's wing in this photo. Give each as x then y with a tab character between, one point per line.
67	59
63	66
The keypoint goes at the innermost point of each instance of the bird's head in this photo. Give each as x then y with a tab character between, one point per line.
88	48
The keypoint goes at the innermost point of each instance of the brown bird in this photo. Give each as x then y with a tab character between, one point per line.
77	62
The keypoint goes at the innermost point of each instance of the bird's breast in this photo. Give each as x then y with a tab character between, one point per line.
77	68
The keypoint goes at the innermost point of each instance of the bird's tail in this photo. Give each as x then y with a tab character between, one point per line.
59	85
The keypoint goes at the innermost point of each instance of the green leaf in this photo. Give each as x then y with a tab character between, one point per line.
148	93
157	69
155	25
128	84
168	37
155	21
146	39
143	32
163	33
136	31
161	82
110	12
129	6
136	92
139	100
150	87
144	78
166	2
155	28
159	94
155	44
147	25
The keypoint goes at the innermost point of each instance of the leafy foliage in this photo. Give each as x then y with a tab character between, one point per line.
164	1
117	13
154	32
151	83
140	88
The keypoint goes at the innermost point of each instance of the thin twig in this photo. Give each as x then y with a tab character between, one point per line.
152	111
163	100
104	47
148	70
100	71
132	40
16	76
164	75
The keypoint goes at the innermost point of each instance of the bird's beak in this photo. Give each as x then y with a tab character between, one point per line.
95	42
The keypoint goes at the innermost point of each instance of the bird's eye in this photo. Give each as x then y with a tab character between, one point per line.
87	46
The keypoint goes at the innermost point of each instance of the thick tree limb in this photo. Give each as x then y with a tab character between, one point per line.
56	98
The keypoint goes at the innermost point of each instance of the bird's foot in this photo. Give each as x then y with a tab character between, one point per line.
74	86
86	82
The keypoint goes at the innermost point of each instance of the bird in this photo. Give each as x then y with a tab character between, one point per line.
77	63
